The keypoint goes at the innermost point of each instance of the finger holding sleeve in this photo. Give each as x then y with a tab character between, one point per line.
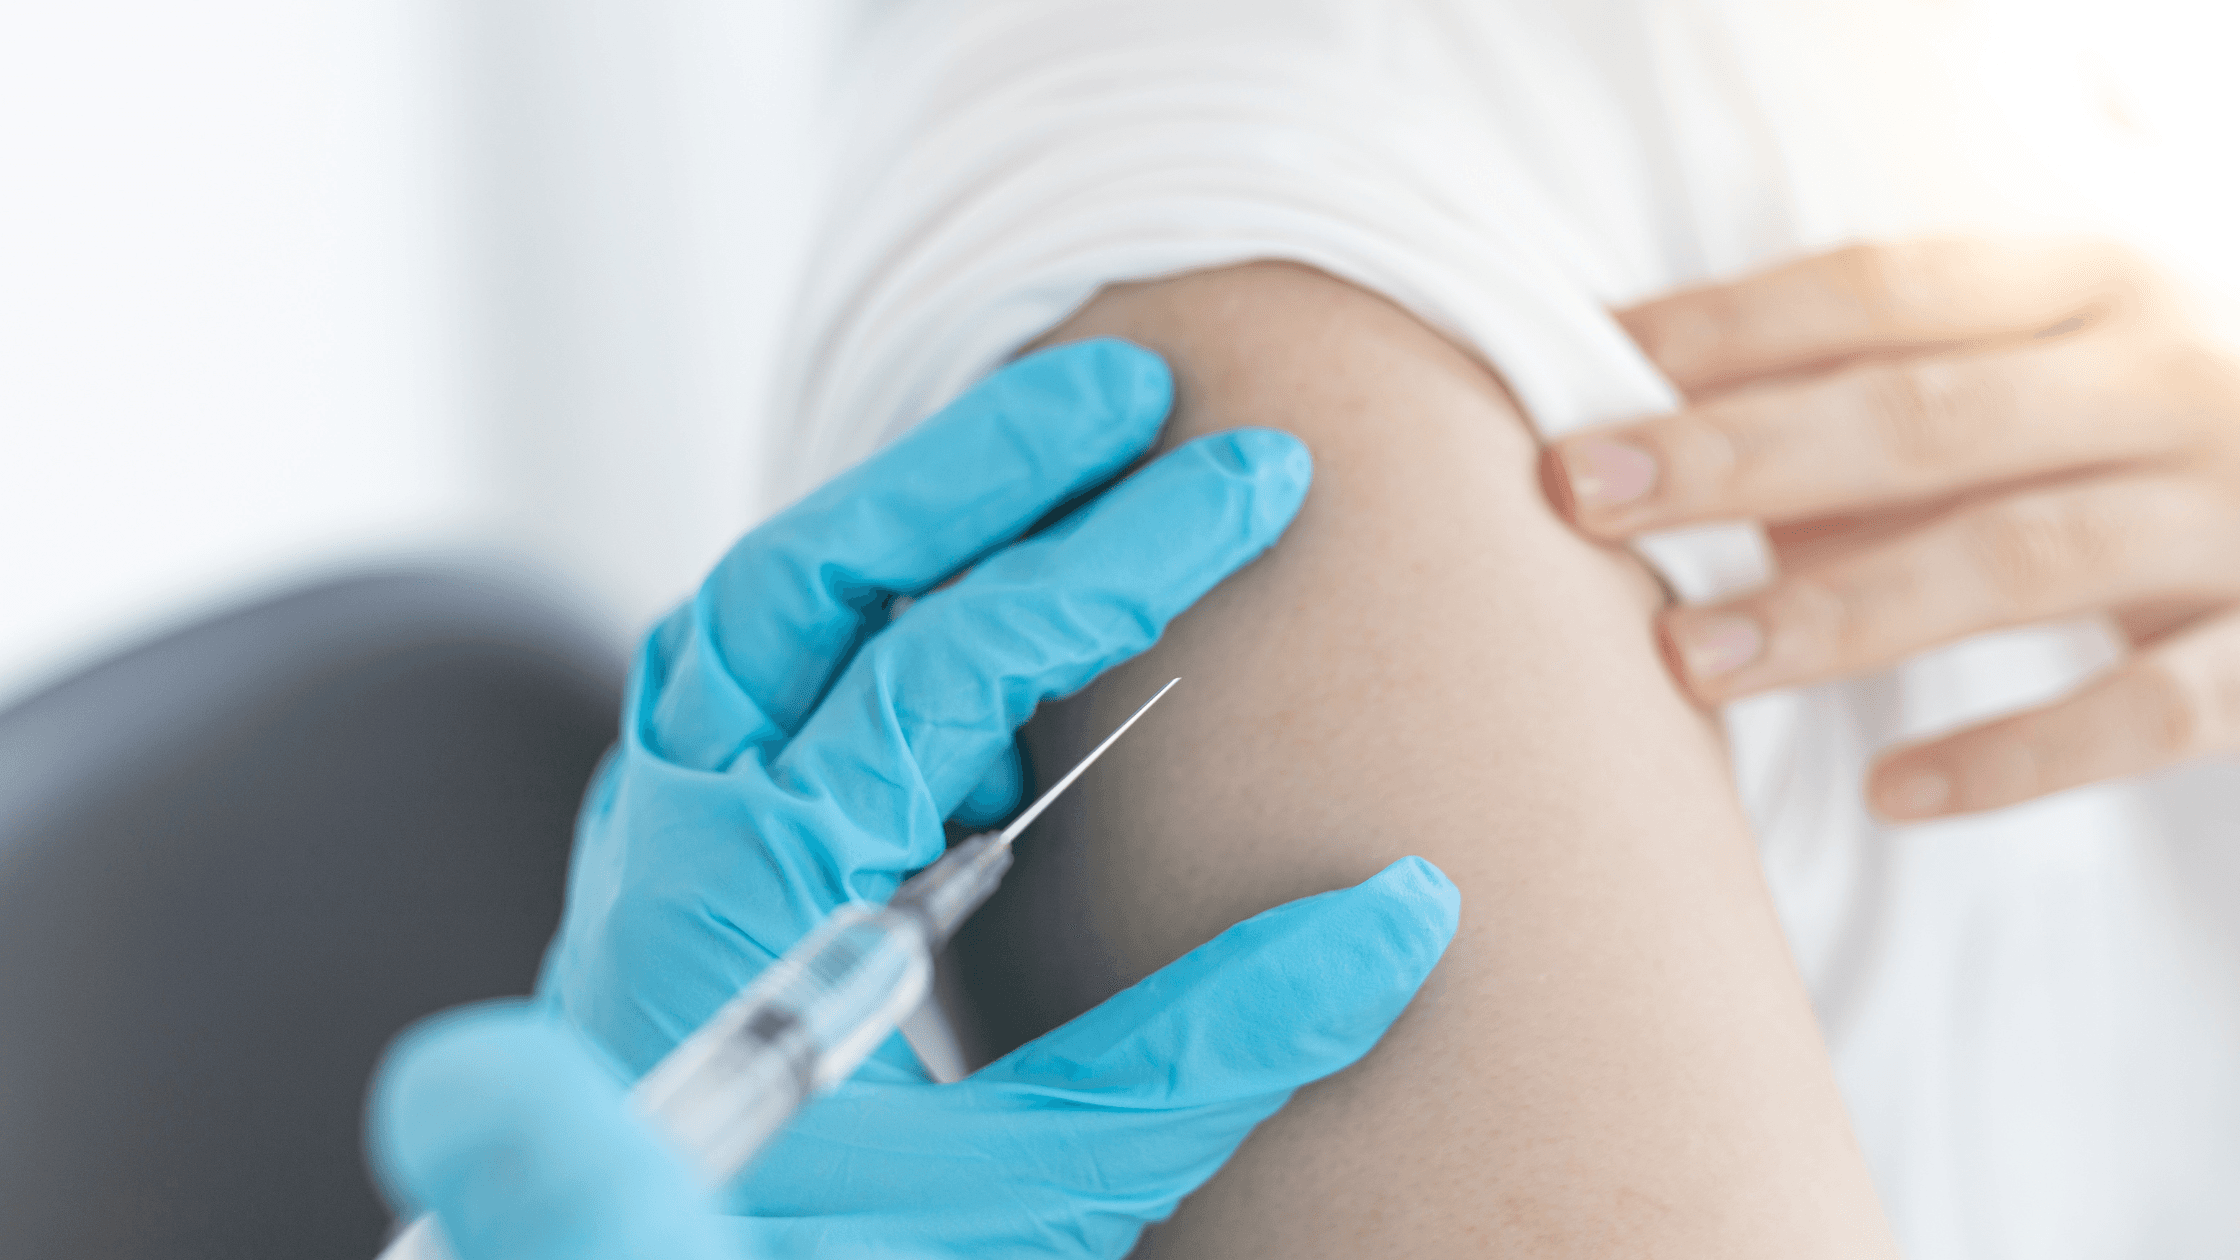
503	1122
1889	434
1878	298
931	703
2175	702
744	661
2038	556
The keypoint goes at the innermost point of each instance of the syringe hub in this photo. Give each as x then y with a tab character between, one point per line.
945	894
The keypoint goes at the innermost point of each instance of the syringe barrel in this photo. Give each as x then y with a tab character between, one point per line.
803	1026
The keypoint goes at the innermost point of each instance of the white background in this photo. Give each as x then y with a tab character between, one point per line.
288	286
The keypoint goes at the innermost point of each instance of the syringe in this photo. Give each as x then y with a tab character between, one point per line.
809	1021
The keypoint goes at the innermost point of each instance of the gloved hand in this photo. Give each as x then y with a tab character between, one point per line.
507	1124
785	749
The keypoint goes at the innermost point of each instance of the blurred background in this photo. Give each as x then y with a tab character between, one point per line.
371	374
288	288
293	292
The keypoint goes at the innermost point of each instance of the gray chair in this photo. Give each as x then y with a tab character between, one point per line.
233	863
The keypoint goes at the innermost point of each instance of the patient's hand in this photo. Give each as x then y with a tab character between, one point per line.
1946	438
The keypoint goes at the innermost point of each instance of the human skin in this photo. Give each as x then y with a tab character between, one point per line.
1946	437
1616	1056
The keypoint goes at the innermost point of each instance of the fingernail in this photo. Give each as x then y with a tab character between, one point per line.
1916	794
1607	474
1719	645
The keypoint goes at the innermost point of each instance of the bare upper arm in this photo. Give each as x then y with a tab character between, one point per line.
1616	1054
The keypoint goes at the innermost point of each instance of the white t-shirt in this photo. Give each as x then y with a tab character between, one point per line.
2032	1012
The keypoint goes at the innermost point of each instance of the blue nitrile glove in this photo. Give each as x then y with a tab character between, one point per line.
785	749
513	1129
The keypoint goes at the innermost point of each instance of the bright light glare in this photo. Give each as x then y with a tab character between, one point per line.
2135	106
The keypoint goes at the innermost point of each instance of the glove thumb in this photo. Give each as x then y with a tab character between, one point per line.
509	1127
1284	998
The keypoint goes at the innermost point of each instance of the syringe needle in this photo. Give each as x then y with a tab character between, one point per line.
1019	824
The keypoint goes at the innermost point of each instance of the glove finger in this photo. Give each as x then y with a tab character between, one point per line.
997	795
1112	1120
929	704
1285	997
505	1123
745	661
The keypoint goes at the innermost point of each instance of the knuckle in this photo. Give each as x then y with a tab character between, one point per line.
2019	550
2128	278
1903	415
1882	278
1876	612
2201	379
1926	417
1686	332
1718	448
2028	550
1717	316
2205	674
1817	622
2088	275
1916	279
2012	766
2167	712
